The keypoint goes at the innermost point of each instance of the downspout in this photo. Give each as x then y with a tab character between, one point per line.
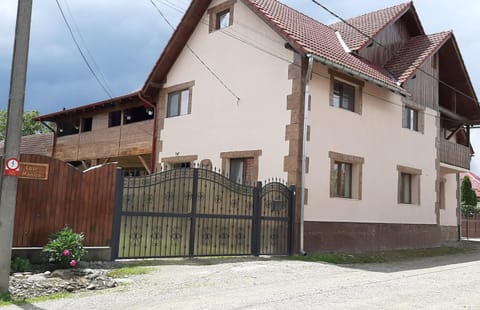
54	144
155	127
304	152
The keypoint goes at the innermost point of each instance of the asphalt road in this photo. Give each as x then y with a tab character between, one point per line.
449	282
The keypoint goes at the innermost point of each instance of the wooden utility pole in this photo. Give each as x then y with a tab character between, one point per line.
8	184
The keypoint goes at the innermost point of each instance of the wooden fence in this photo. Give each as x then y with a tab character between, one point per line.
69	197
471	226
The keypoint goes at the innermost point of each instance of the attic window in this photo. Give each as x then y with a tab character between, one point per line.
221	16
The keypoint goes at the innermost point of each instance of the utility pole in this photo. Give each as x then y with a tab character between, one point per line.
8	184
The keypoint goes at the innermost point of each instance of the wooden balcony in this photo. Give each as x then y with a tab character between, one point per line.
455	154
126	140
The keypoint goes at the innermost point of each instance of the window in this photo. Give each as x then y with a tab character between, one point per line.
345	176
178	103
343	96
413	115
186	161
182	165
410	119
137	114
87	124
221	16
441	193
241	166
408	185
405	188
345	92
68	127
342	180
114	118
223	19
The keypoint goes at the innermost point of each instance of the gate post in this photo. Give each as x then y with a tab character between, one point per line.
191	244
117	210
291	217
256	224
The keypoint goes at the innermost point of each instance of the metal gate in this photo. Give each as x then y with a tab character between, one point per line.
198	212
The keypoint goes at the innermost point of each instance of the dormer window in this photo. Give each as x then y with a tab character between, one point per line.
221	16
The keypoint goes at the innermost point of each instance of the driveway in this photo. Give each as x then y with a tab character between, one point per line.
449	282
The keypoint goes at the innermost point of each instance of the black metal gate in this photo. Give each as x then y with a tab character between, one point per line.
198	212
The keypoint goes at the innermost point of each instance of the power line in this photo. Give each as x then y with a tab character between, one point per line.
384	47
197	56
81	52
95	64
237	36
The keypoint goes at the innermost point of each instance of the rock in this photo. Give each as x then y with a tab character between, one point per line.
47	273
62	273
91	286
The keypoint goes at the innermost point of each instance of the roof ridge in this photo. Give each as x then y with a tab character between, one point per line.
404	4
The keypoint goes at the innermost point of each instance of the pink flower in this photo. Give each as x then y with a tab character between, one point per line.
66	253
73	263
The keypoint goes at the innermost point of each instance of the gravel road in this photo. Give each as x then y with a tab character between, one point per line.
449	282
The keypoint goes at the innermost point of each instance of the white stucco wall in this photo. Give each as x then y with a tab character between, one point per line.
448	216
377	136
218	123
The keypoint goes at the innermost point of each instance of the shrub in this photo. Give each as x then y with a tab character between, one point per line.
64	248
20	264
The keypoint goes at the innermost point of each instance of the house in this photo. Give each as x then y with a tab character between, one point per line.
382	116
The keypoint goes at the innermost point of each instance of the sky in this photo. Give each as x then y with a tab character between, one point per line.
122	39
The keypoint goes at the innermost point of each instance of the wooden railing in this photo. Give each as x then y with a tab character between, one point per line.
455	154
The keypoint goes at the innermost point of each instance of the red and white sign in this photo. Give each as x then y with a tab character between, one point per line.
12	167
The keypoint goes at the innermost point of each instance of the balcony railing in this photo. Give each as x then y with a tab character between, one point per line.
455	154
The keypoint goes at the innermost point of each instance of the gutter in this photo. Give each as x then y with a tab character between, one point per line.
310	58
54	144
358	74
155	127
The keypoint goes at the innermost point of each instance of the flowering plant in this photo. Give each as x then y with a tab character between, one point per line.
65	248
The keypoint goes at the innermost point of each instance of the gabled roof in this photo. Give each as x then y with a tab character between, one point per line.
305	35
410	57
373	23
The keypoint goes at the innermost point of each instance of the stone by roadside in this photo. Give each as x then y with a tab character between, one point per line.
35	284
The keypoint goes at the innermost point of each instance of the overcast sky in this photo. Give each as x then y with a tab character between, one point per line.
125	38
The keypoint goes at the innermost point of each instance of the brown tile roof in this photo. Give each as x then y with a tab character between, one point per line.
370	24
40	144
414	54
310	36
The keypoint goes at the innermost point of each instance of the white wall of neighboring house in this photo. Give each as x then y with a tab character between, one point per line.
218	123
377	136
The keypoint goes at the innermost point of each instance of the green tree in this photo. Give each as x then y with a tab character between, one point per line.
468	198
30	127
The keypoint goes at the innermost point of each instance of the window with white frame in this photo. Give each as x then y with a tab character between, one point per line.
221	16
178	103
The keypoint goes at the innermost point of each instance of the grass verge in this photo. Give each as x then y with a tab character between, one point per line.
129	271
7	299
382	256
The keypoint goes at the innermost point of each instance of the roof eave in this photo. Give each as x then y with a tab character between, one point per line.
363	76
175	45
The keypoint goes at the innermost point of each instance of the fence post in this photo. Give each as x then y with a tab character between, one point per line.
256	224
191	244
117	210
291	217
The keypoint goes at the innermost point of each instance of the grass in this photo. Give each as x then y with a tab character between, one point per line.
6	299
129	271
382	256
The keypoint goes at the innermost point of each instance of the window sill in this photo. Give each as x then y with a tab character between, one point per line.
345	198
